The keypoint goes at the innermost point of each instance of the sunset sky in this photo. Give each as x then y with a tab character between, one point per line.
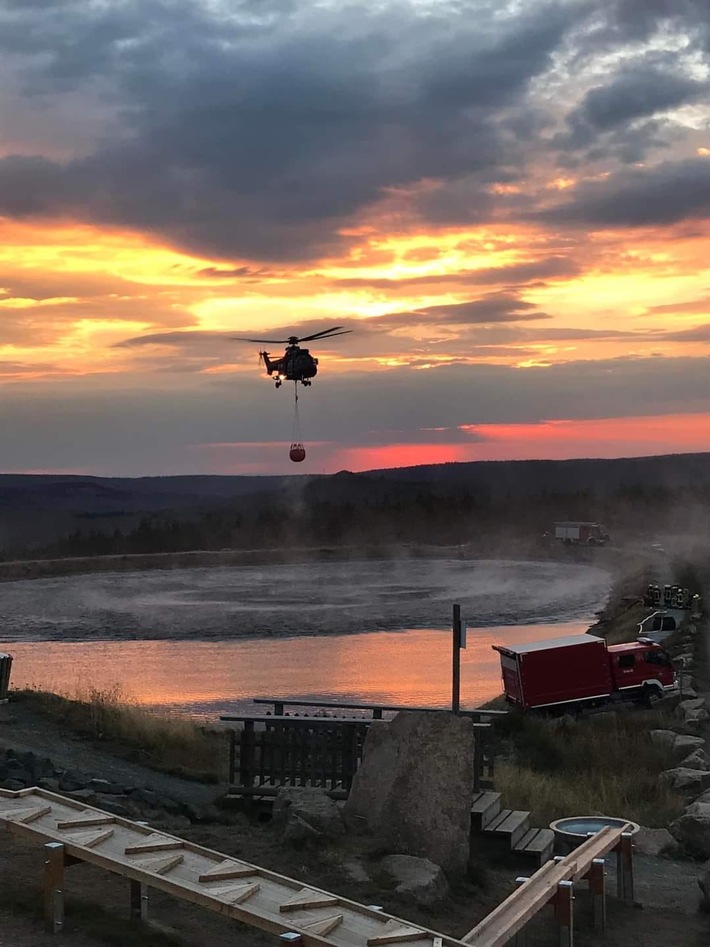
508	201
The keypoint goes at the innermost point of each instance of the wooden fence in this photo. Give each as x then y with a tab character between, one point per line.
271	751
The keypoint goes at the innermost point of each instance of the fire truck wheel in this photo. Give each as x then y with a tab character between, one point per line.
650	695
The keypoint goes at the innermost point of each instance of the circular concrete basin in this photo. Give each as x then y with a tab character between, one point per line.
575	829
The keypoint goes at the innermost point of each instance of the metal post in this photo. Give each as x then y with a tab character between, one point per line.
564	912
456	661
139	901
597	889
53	887
626	860
521	938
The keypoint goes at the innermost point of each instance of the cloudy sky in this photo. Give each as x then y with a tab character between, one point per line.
508	201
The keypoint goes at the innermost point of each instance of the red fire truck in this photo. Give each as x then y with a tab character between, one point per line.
583	671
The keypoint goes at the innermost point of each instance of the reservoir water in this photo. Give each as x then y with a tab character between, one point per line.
206	641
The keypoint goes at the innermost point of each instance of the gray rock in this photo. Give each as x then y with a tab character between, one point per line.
414	787
689	693
665	739
417	879
84	795
697	703
306	814
685	743
146	796
694	719
654	841
698	759
51	785
112	804
298	832
692	830
355	870
12	784
690	782
104	786
71	782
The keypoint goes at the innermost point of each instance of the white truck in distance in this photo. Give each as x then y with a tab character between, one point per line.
584	534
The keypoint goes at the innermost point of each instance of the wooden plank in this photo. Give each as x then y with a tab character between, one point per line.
154	843
513	914
235	894
89	839
307	898
226	870
25	816
394	932
498	927
83	821
324	926
160	865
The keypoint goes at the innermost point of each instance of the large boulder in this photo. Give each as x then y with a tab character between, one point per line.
654	841
416	878
696	760
690	782
694	719
414	787
697	703
692	830
306	815
664	739
686	743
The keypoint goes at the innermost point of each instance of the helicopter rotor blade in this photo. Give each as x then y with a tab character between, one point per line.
237	338
327	333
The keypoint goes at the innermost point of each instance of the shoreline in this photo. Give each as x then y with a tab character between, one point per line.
18	569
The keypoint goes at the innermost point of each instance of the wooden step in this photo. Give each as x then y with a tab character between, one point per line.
536	845
484	808
510	824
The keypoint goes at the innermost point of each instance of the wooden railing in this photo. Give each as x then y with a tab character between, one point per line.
377	711
554	883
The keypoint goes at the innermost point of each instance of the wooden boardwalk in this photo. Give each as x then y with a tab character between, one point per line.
260	898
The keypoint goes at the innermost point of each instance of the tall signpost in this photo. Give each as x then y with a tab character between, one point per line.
459	641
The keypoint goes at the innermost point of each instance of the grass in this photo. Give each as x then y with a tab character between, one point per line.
176	745
604	765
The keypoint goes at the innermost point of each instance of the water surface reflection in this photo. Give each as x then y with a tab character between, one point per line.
208	678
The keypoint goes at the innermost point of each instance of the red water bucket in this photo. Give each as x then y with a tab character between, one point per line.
297	453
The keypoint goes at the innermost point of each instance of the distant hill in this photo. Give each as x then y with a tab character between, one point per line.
37	511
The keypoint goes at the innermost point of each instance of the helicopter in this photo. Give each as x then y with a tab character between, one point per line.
296	364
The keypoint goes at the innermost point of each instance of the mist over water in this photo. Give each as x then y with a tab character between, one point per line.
306	599
207	641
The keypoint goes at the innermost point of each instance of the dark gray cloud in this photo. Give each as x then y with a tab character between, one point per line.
664	194
616	119
636	93
262	132
634	21
696	334
494	307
